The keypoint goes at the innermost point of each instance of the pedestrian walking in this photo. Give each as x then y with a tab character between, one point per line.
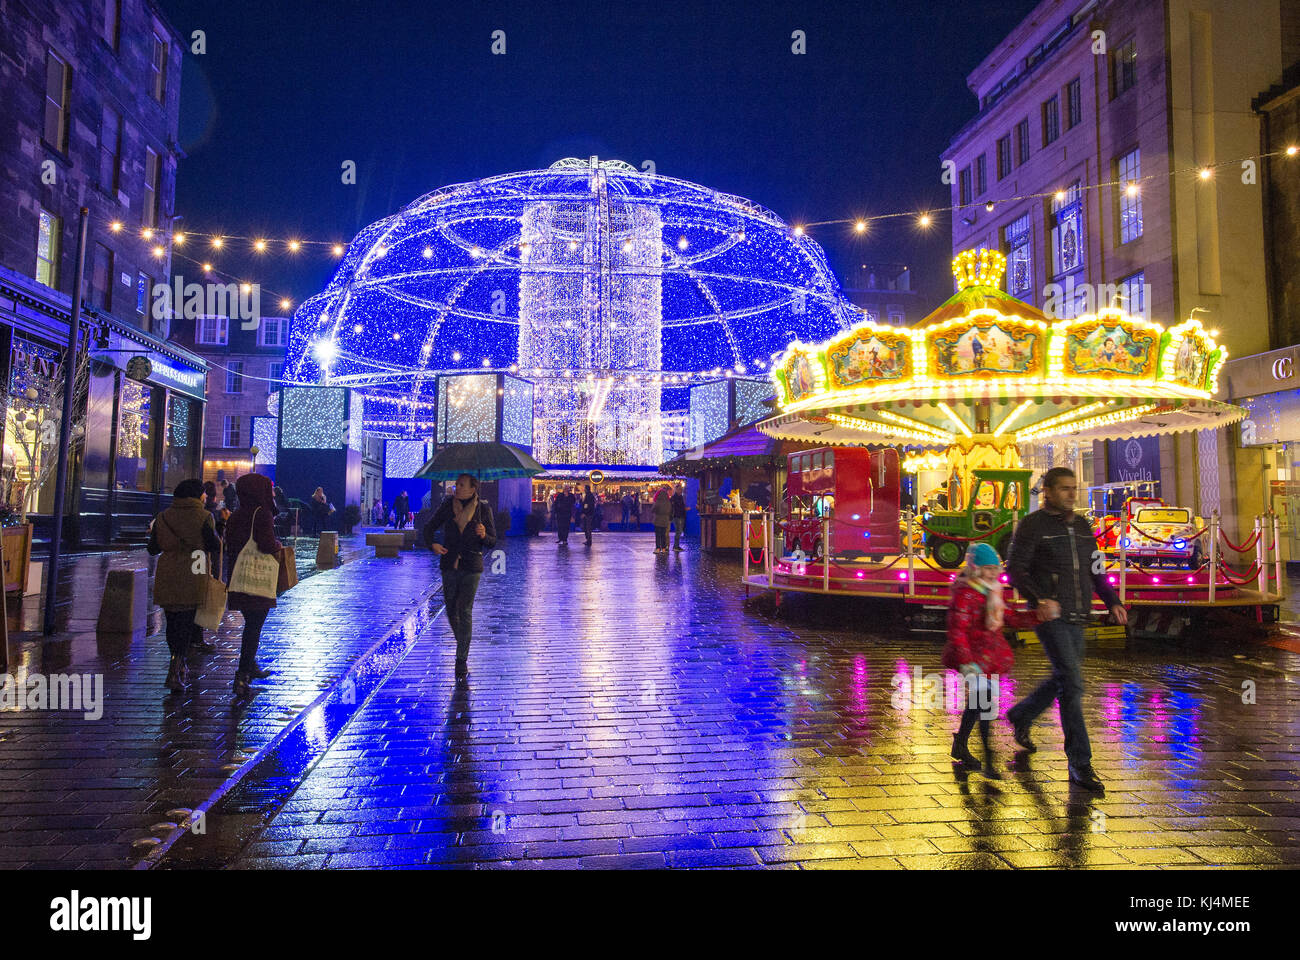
588	513
378	513
978	650
663	511
230	497
213	505
459	531
1053	563
627	508
255	520
564	501
679	517
402	509
184	529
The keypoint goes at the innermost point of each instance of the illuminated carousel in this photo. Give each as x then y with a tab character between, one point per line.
960	392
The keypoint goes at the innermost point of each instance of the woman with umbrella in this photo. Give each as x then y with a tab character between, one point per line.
459	531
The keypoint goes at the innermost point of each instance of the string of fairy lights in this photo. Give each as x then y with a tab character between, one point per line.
181	240
202	249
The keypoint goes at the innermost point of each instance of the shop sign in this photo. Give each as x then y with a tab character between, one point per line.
33	365
1134	460
165	373
139	368
596	476
1283	368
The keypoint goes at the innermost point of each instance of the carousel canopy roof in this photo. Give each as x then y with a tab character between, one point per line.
986	363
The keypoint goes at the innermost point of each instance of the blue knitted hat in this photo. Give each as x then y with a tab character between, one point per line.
983	555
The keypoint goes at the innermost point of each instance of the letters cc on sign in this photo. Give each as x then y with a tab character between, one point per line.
1283	367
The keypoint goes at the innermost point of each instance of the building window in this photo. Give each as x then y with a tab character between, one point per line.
1051	120
1128	176
271	331
235	377
1022	142
158	68
965	181
981	175
1020	267
212	331
896	314
47	248
274	374
137	435
112	22
1073	104
58	88
1123	68
1004	156
110	150
1067	231
101	278
152	169
1132	294
230	432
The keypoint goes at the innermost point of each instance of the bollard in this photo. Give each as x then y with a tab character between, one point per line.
124	607
327	552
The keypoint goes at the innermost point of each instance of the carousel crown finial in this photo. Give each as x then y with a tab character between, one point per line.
979	268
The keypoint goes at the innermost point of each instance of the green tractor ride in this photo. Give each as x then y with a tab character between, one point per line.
999	500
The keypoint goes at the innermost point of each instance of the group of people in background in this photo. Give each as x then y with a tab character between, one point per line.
585	511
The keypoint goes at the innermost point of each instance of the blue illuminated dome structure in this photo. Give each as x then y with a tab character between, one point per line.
610	289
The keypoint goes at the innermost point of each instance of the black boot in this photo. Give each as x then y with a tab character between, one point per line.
990	759
177	674
961	753
242	689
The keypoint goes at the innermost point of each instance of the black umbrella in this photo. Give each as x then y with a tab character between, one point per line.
486	461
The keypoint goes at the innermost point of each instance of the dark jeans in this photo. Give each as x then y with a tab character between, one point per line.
254	620
587	521
562	529
458	589
1063	644
181	631
678	524
626	513
661	537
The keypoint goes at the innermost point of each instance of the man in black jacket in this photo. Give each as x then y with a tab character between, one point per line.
563	511
588	513
679	517
465	525
1055	564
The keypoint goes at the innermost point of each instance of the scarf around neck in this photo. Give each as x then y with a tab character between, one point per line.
463	511
992	593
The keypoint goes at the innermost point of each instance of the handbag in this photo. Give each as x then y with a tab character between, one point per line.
288	576
213	608
255	573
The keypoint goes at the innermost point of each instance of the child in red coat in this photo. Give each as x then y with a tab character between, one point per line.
977	648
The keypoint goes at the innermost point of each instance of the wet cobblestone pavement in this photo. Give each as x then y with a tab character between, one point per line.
78	792
626	710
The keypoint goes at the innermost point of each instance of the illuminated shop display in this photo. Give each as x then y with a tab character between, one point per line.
517	412
710	403
611	291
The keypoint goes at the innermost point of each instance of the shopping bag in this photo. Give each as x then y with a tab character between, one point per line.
255	573
288	576
213	608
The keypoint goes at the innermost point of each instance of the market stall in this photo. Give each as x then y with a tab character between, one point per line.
740	470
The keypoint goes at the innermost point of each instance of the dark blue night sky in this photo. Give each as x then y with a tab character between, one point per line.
711	93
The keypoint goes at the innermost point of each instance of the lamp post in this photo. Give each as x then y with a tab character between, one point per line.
65	426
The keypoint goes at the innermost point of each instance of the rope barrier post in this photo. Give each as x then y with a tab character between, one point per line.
1261	578
768	537
911	555
1123	559
826	555
1214	552
744	549
1277	555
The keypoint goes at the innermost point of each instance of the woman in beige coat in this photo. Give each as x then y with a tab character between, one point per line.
184	538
